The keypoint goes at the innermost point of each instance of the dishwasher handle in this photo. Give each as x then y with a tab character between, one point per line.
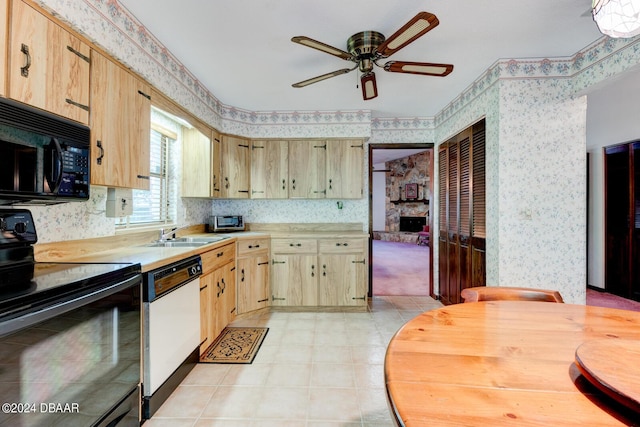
31	318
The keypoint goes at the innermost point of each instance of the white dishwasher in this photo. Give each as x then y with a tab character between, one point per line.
171	329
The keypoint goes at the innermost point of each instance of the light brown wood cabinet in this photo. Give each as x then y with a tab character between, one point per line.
48	66
197	162
252	276
307	169
4	20
269	169
217	292
344	169
319	272
343	272
234	167
120	126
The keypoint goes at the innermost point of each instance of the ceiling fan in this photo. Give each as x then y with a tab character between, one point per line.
366	48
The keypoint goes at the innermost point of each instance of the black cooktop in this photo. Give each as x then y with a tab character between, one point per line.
54	281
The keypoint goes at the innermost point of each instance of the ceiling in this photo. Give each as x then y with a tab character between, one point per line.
241	49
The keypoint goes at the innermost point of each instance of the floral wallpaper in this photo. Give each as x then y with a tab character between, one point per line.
535	135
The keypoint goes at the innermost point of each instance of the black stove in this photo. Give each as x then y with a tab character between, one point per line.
79	319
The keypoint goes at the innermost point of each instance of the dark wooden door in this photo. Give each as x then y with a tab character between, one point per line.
462	231
618	220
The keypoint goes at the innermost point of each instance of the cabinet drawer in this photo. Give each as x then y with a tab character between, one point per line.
341	245
249	246
294	246
217	257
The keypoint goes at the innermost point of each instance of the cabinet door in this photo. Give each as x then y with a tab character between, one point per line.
196	164
307	164
216	164
252	283
48	66
269	169
235	167
4	20
294	280
342	280
120	126
225	295
344	169
206	311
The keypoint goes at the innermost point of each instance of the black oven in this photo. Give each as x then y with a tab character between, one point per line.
44	157
70	339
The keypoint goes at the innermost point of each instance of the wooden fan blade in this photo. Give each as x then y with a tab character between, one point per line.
416	27
423	68
306	41
322	77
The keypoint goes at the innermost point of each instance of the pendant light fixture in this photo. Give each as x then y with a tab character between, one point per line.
617	18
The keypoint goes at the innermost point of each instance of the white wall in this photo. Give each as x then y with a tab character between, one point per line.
613	117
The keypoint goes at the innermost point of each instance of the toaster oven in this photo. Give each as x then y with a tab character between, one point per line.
219	223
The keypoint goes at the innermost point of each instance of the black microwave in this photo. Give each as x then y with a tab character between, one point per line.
45	158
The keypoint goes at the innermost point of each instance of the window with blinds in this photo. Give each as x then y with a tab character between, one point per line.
158	204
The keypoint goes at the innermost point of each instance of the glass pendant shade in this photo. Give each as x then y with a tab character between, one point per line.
617	18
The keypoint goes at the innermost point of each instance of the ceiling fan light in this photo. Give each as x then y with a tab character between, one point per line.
617	18
369	87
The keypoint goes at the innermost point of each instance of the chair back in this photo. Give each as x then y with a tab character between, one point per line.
498	293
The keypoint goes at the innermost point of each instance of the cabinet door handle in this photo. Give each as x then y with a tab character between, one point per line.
321	191
293	182
242	277
79	54
219	289
324	269
313	271
264	263
224	285
77	104
277	262
295	244
226	182
342	244
330	184
99	159
264	300
273	298
254	246
256	191
145	95
24	71
358	262
143	177
219	254
284	184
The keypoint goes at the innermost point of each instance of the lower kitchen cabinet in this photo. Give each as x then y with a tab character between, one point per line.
319	272
252	276
217	292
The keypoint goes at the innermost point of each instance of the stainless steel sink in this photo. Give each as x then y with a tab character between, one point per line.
174	244
205	240
186	242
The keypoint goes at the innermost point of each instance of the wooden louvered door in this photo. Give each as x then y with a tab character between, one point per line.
478	208
461	241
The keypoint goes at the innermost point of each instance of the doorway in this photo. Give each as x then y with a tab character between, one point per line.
400	206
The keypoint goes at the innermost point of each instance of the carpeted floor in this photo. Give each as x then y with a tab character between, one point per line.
403	269
604	299
400	269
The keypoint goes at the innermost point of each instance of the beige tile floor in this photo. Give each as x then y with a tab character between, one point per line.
313	369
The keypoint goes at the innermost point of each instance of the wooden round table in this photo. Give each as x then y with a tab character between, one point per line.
503	363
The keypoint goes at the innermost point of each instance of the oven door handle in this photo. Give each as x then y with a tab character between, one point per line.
56	309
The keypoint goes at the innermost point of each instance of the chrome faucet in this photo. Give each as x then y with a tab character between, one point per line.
164	234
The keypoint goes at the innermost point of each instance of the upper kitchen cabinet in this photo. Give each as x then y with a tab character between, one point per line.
269	169
120	126
4	20
197	161
48	67
234	167
307	164
344	169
